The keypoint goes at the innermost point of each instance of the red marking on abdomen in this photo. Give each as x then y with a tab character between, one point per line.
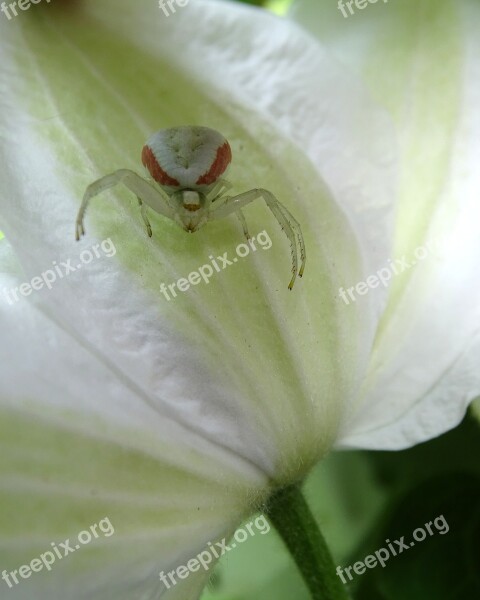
221	162
155	170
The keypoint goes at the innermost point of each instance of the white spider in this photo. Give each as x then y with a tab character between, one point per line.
186	163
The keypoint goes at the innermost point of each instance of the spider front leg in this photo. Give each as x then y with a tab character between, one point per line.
144	191
243	221
287	222
220	187
143	211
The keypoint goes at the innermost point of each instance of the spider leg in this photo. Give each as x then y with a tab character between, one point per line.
298	231
243	221
287	222
143	210
136	184
221	186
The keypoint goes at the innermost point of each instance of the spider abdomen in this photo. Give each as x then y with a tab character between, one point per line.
186	157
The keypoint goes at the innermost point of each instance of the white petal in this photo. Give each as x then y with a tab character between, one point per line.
423	63
84	446
252	368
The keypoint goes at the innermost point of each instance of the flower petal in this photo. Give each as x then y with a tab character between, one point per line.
421	60
80	447
254	369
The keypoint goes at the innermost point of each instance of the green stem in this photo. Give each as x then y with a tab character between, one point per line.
291	517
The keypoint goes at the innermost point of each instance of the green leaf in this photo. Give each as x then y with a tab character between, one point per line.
444	565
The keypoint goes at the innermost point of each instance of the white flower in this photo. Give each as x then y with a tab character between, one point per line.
178	418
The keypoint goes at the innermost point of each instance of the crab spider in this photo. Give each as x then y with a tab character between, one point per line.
186	164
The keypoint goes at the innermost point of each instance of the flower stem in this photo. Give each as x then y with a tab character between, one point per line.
291	517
